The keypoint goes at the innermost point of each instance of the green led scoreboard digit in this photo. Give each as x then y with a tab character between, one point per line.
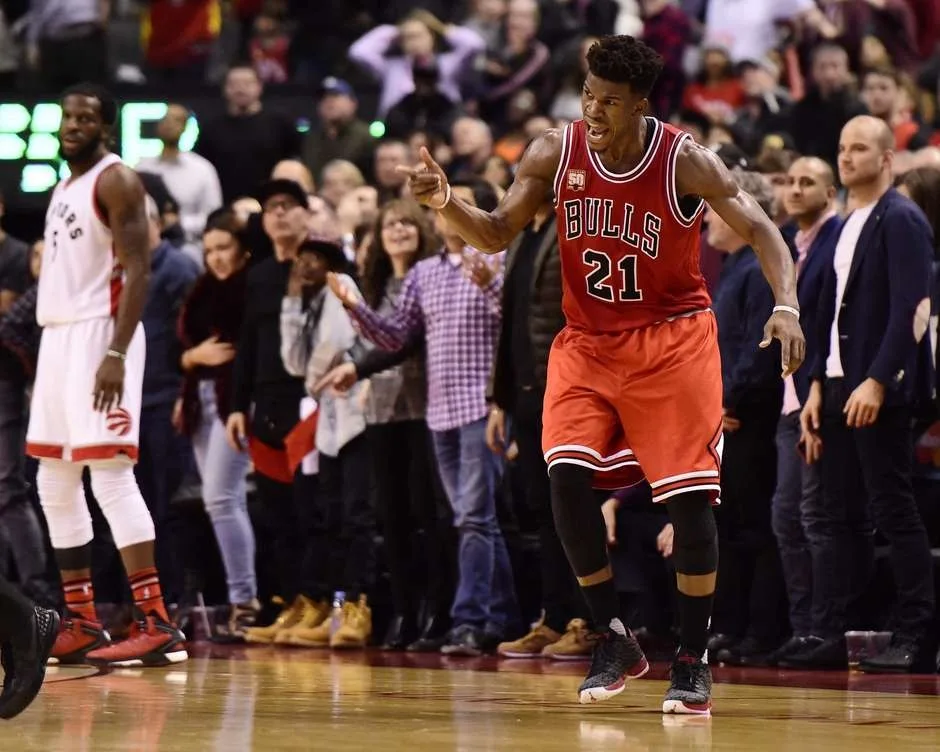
30	138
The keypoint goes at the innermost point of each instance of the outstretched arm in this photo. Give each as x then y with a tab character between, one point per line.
491	232
700	172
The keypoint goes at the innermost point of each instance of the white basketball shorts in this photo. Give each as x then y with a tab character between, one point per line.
63	423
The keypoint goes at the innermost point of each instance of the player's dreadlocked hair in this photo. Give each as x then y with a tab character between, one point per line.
95	91
625	60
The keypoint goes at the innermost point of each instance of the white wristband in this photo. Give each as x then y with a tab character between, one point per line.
448	194
787	309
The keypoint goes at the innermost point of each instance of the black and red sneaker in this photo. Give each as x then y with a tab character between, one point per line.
690	691
76	638
24	661
152	642
617	659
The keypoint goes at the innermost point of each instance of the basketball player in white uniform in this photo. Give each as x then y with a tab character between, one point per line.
87	394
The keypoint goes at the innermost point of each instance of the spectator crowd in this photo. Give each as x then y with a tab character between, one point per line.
366	459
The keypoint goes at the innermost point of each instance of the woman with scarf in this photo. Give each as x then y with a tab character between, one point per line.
208	326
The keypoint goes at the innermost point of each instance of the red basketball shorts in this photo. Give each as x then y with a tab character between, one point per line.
644	403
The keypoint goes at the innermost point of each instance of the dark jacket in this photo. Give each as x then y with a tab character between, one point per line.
258	375
546	318
172	275
353	142
886	299
214	308
20	335
816	122
435	114
808	289
743	303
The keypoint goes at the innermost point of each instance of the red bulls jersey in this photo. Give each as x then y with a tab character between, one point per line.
629	250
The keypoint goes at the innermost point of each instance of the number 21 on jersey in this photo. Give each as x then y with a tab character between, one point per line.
603	283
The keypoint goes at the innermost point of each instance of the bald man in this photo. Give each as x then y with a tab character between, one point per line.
294	169
808	197
867	381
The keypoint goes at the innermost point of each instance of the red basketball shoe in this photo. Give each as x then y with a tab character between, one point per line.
152	642
77	637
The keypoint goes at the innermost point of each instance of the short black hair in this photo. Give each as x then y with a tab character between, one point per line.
224	219
108	103
823	47
484	195
624	59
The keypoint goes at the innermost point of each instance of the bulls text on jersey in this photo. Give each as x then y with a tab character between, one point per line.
595	217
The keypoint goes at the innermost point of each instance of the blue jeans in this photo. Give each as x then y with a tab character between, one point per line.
470	471
795	498
224	494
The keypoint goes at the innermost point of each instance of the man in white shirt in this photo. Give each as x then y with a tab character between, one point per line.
870	374
190	178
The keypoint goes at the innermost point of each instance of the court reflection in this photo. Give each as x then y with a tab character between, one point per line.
227	700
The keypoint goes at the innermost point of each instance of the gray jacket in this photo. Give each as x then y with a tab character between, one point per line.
312	342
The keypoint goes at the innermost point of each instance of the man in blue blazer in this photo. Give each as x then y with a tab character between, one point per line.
867	374
749	620
808	198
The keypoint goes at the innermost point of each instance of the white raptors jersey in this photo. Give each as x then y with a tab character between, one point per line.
81	278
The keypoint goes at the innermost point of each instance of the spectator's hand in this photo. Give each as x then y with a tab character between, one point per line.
864	403
512	454
340	379
235	431
476	269
177	418
785	326
664	540
729	424
32	57
609	510
427	182
496	431
346	296
211	352
810	422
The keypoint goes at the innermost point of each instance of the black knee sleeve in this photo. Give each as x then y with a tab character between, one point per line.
578	519
695	537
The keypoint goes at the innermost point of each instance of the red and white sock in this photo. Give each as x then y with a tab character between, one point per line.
80	598
148	597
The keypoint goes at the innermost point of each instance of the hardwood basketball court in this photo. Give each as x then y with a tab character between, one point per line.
239	699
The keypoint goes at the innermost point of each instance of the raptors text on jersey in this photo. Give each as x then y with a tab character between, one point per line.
629	248
81	278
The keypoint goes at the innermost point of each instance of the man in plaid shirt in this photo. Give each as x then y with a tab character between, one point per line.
453	300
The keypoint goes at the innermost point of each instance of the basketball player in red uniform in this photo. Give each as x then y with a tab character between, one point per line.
86	401
634	380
